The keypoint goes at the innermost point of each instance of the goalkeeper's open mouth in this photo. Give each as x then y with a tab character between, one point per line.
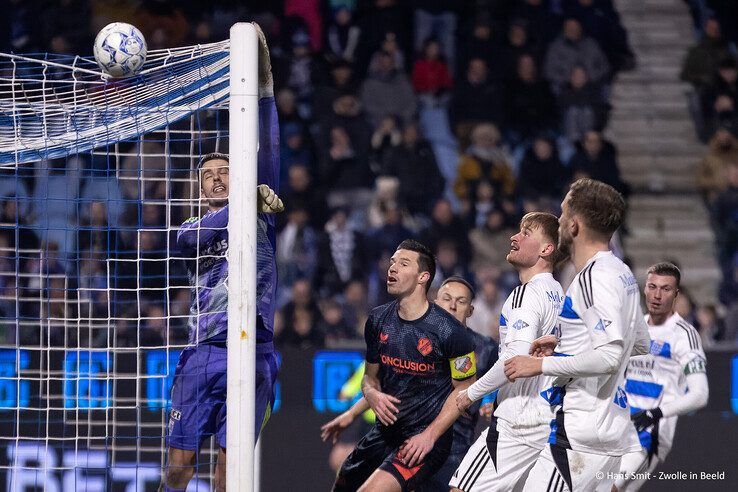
220	189
391	279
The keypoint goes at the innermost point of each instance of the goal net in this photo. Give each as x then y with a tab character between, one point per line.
96	177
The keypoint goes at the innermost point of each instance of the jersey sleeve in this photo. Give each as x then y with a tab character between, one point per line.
268	154
687	350
371	337
599	301
459	350
195	234
525	316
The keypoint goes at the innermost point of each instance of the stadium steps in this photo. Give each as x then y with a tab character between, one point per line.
658	150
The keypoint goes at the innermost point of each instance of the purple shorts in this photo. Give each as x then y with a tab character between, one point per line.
199	395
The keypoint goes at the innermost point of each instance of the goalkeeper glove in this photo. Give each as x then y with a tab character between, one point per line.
646	418
267	201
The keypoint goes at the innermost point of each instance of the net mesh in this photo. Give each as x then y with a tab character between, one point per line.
97	175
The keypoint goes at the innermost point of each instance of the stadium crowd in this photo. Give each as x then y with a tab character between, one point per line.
439	120
711	69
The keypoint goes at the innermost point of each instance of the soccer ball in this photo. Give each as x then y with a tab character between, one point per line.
120	49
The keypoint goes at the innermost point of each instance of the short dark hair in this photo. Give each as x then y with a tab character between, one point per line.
600	205
426	260
666	269
462	281
211	157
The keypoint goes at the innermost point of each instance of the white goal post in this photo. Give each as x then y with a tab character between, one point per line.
243	138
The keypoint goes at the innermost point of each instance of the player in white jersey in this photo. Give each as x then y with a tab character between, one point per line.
505	452
656	383
598	328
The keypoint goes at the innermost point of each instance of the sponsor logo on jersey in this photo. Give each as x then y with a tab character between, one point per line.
520	324
408	365
383	337
425	346
602	324
176	415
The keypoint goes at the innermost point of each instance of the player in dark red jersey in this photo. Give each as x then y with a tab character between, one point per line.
417	357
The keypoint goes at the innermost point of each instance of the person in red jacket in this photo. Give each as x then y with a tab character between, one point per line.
431	77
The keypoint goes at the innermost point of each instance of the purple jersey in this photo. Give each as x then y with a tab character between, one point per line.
204	241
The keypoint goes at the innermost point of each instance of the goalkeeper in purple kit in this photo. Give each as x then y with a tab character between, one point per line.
199	389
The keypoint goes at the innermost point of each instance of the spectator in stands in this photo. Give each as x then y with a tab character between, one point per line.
386	137
490	242
475	100
300	315
516	45
448	263
529	104
347	114
154	329
480	44
597	158
297	247
573	48
709	325
701	61
414	164
355	305
294	147
387	91
302	193
712	173
541	18
333	324
343	36
391	233
721	96
485	159
391	47
601	21
342	254
431	76
542	174
436	19
445	225
386	20
487	306
699	68
726	220
341	82
345	167
581	105
296	71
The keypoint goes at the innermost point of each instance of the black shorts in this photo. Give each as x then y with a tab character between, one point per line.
376	451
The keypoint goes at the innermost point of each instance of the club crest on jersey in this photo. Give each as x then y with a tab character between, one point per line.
425	346
520	324
602	324
176	415
463	364
383	337
621	399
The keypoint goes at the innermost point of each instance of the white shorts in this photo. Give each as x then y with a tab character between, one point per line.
563	470
495	462
635	470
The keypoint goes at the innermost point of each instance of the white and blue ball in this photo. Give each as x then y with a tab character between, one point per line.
120	49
